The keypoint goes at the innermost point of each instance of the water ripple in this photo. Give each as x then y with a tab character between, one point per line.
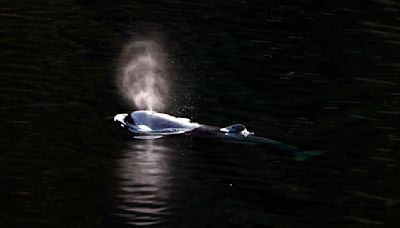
144	186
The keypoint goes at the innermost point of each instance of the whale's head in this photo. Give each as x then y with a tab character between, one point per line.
125	119
129	120
121	118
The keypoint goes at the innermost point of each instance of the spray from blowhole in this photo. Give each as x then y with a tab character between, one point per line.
142	75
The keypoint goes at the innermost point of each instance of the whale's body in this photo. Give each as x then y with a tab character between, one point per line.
146	124
152	124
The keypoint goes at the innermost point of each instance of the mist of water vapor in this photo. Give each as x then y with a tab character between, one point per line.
142	76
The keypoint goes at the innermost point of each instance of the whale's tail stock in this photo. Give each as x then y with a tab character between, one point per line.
298	155
304	155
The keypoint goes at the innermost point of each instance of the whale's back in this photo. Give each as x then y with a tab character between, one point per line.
155	120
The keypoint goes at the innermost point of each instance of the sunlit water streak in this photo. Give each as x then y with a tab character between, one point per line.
143	189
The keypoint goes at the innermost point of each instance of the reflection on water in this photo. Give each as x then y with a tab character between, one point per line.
144	184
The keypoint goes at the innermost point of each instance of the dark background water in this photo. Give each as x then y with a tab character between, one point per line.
318	75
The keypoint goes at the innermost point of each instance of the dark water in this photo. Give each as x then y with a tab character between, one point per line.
315	75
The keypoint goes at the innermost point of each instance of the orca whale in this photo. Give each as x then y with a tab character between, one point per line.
149	125
145	124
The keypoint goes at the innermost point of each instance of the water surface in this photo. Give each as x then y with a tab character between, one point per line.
315	75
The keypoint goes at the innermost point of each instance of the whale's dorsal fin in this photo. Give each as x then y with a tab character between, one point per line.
236	129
